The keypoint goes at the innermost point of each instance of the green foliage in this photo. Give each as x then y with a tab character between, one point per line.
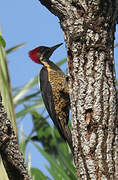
61	166
2	41
14	48
5	85
21	92
37	174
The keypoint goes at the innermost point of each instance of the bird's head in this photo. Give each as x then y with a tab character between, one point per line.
42	53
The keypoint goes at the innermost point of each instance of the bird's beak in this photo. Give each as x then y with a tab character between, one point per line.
53	48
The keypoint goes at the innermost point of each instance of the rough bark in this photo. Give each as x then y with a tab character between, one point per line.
9	150
89	28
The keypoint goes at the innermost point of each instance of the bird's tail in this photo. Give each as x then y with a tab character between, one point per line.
68	136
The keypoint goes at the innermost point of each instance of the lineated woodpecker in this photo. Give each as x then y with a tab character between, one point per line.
54	90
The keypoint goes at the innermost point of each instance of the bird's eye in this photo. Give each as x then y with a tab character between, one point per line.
47	51
41	50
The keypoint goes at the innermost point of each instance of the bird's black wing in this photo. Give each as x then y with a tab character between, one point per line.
47	94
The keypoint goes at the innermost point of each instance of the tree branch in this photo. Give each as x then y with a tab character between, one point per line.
57	7
60	7
9	150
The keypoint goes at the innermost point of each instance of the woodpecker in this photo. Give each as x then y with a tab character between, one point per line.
54	90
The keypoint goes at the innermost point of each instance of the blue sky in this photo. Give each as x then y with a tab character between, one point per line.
28	21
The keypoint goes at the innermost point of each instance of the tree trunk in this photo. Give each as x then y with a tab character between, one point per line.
89	28
10	153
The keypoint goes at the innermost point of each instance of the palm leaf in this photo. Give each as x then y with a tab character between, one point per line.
14	48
